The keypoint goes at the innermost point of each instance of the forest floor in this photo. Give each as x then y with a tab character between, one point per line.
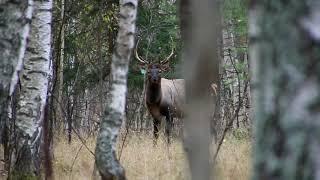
142	160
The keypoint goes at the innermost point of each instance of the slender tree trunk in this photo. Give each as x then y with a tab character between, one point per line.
106	161
199	32
33	95
61	59
284	54
15	18
217	124
58	104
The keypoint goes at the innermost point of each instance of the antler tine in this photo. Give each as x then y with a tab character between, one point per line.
137	56
168	58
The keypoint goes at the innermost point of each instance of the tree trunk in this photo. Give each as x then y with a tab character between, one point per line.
33	95
58	94
217	120
185	19
284	54
15	18
199	32
106	161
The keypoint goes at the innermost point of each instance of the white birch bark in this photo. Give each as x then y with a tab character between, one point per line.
15	18
34	88
106	161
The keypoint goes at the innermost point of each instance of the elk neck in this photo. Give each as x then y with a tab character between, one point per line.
153	93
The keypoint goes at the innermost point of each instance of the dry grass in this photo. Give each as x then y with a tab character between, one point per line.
234	160
143	160
73	161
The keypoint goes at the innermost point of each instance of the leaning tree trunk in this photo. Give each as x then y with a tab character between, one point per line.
106	161
14	29
33	95
199	32
285	57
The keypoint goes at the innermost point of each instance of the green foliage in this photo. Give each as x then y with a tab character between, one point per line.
87	58
241	133
158	31
25	176
135	80
235	19
90	31
236	12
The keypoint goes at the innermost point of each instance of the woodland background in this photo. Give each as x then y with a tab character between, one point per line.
87	33
81	38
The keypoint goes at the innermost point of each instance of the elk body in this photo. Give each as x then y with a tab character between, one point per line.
164	97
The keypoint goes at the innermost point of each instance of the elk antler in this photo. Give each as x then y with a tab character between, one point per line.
167	59
137	56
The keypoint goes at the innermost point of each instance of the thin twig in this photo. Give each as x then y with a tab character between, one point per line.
80	138
130	121
139	107
124	139
83	141
238	78
229	125
74	160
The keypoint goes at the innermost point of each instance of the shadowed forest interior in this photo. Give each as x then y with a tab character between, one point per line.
159	89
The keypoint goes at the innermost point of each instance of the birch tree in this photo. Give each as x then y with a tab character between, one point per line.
33	94
284	53
15	21
106	161
199	31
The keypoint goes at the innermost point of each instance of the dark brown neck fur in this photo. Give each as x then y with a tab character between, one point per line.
153	93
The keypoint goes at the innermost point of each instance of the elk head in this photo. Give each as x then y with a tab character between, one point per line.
153	69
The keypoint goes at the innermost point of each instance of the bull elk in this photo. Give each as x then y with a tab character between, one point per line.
164	97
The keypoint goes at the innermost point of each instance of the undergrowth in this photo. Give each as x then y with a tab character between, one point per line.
142	160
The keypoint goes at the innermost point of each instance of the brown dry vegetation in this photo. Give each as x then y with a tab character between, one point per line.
143	160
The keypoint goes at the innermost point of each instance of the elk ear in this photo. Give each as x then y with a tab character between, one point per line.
143	68
143	71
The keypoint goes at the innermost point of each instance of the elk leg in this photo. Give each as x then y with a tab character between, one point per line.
156	127
169	124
